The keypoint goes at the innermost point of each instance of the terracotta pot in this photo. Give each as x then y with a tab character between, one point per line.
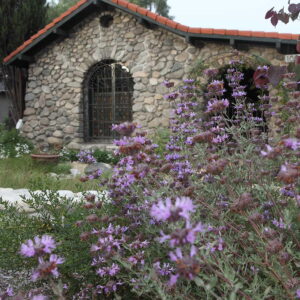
45	157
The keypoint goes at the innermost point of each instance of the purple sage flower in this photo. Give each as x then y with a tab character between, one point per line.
163	211
86	156
39	297
125	129
211	72
280	224
291	143
38	246
110	271
168	84
163	270
186	265
46	268
110	287
217	106
171	96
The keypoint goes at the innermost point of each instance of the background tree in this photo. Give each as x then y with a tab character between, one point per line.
160	7
19	19
57	7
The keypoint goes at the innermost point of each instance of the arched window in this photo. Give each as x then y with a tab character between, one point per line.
108	92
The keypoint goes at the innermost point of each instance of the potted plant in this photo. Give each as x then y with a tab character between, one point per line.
47	154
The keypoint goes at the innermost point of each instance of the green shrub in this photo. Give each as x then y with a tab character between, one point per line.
52	215
161	138
69	154
12	144
105	156
61	168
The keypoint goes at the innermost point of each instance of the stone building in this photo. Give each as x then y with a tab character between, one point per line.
104	61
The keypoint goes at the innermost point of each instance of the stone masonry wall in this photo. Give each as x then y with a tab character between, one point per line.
54	97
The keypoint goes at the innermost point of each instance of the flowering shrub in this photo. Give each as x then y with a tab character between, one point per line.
86	156
215	216
42	248
68	154
14	151
12	144
125	129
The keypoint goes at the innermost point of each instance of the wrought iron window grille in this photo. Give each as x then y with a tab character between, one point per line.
108	92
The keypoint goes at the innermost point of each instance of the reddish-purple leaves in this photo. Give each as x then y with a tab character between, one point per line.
260	77
270	13
281	15
274	20
264	75
298	46
294	10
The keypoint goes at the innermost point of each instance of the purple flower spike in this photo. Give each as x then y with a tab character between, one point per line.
47	268
39	246
168	84
291	143
163	211
86	156
9	291
187	266
109	288
216	88
280	224
48	242
186	206
39	297
163	270
110	271
211	72
189	81
27	249
125	129
217	106
173	280
171	96
177	255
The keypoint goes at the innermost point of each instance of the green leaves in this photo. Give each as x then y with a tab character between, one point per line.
57	8
160	7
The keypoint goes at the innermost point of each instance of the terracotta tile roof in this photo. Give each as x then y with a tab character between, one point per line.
159	19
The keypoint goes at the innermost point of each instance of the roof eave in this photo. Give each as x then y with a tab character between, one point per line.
201	35
18	59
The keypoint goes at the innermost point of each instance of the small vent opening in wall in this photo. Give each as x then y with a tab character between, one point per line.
106	21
